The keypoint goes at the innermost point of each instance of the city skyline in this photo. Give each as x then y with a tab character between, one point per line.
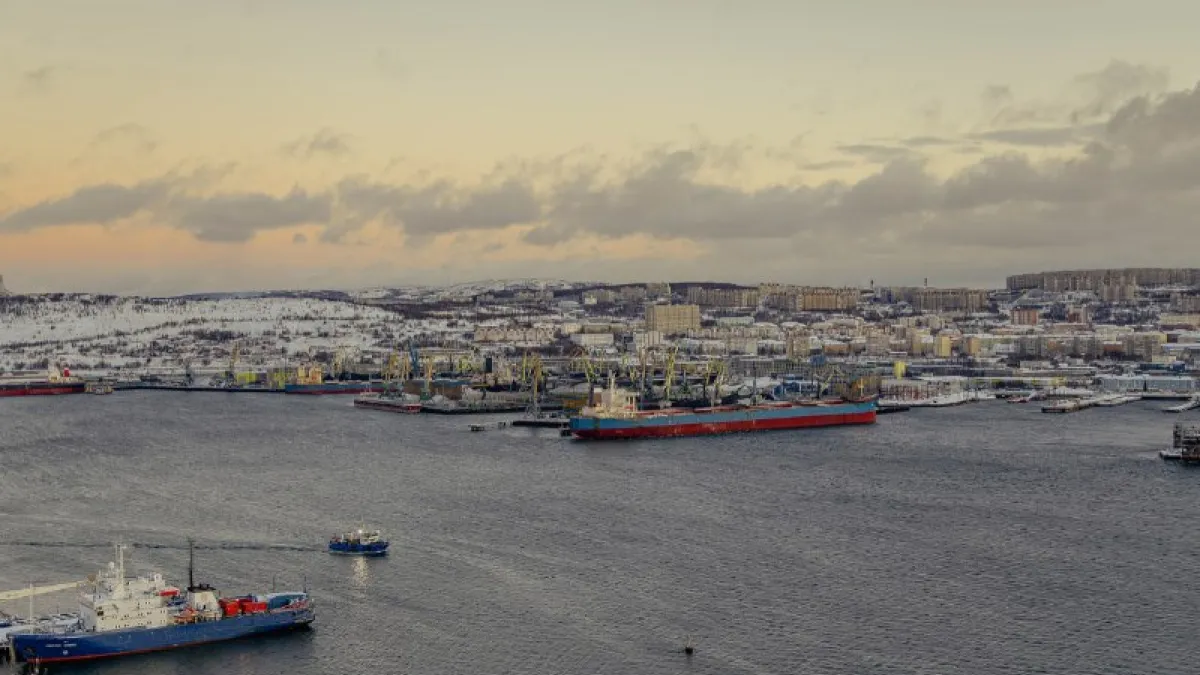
235	146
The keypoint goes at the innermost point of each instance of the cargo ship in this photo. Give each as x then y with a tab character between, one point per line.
120	616
617	416
53	383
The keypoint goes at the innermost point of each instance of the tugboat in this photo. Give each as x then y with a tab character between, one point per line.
1186	449
359	542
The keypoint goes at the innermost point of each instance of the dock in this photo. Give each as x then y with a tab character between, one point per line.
483	407
543	422
148	386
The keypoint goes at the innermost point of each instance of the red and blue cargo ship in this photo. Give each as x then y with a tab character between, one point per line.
54	383
617	416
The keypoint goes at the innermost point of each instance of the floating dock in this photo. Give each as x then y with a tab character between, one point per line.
543	422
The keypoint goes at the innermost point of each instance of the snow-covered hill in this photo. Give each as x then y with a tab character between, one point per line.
103	332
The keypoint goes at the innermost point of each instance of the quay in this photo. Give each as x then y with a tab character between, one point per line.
481	407
543	422
148	386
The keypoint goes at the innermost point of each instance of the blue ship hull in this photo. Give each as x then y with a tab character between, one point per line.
347	548
83	646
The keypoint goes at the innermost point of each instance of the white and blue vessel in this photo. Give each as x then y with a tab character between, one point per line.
359	542
121	615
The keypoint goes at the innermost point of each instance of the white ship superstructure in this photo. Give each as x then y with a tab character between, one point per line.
116	601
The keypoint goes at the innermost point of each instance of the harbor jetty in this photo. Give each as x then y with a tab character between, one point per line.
1191	404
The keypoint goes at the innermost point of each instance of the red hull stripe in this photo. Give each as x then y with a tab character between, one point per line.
19	390
713	428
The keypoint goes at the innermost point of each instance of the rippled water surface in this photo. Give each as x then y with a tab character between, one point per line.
988	538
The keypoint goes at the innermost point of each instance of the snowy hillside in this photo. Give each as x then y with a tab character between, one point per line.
102	332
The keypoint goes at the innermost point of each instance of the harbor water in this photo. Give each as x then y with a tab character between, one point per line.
982	539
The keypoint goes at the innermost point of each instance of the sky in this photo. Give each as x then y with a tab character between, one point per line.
173	146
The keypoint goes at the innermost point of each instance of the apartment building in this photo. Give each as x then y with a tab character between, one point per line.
672	319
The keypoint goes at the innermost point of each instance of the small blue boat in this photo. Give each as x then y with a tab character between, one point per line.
359	542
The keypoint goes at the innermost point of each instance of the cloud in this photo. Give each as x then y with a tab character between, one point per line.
1038	136
874	152
1115	84
996	96
238	217
100	204
1134	179
831	164
136	134
439	208
233	217
1122	189
40	78
324	142
927	141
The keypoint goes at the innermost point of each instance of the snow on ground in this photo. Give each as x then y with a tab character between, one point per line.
99	333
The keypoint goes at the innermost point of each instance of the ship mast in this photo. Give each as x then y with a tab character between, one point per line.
191	564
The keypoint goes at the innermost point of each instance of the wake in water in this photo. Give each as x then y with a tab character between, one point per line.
230	546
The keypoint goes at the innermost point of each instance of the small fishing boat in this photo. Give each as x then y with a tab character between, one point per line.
359	542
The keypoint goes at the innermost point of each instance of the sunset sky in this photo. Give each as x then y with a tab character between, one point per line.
159	147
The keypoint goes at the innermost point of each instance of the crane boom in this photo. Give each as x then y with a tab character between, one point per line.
39	590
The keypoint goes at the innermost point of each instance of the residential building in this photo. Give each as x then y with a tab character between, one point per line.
673	319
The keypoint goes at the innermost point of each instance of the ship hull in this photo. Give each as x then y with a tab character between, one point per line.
723	421
370	550
40	388
349	387
67	647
